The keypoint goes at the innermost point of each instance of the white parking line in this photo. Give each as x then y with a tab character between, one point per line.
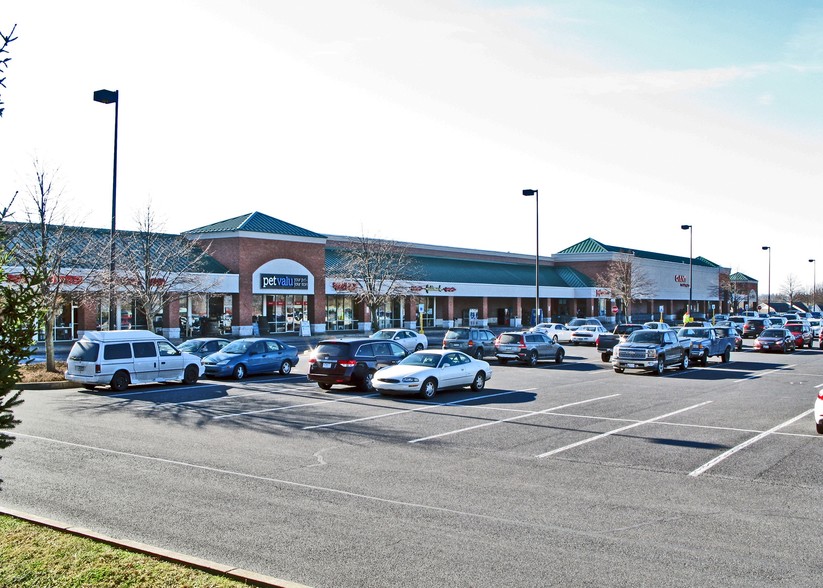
396	412
621	429
761	374
736	448
344	399
514	418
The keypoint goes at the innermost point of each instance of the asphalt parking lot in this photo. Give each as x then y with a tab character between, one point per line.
560	474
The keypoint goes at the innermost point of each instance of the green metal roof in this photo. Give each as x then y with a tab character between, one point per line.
256	222
593	246
441	269
741	277
83	245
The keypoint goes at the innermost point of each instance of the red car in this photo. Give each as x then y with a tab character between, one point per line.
775	339
802	333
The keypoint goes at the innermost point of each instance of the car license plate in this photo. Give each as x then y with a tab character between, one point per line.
765	346
631	365
80	368
326	366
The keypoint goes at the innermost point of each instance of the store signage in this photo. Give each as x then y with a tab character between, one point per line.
682	280
283	282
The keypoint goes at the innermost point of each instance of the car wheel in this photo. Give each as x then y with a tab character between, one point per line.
727	355
503	360
532	359
324	385
605	357
190	374
285	367
619	370
558	357
119	381
554	339
429	388
684	363
419	347
479	381
366	383
239	372
704	359
819	428
661	365
479	354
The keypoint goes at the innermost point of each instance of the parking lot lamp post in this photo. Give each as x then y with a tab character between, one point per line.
814	282
691	267
769	295
536	254
108	97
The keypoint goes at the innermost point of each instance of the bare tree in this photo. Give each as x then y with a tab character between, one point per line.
627	282
791	288
378	271
152	265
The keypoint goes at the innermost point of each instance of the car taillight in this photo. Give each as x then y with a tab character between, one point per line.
521	344
312	360
597	341
820	394
97	368
471	342
347	362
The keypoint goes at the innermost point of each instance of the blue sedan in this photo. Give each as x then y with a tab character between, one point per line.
254	355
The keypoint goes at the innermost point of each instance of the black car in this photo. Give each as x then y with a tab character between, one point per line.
472	341
754	326
352	361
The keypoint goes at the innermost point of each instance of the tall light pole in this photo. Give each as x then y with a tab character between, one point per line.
814	281
107	97
536	253
691	267
769	296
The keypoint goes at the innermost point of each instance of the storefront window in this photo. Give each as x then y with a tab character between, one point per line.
285	311
427	317
340	313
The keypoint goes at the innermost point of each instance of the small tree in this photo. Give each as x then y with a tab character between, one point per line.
791	288
4	61
627	282
152	265
379	271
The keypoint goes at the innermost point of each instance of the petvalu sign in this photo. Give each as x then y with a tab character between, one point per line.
284	282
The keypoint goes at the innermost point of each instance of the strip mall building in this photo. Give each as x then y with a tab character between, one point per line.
277	275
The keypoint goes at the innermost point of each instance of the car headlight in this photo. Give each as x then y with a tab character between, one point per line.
410	380
651	353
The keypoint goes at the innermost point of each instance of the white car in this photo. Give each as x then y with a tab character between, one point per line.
587	334
657	326
557	332
410	340
426	372
818	412
576	323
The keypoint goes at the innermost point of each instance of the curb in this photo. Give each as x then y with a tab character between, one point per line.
241	575
56	385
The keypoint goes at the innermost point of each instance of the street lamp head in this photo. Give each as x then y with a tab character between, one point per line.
685	227
529	192
811	261
105	96
765	247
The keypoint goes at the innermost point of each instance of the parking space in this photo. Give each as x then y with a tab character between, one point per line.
740	418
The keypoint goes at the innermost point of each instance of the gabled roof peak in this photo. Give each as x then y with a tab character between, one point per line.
256	222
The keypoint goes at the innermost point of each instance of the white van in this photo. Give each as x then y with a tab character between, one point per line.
120	358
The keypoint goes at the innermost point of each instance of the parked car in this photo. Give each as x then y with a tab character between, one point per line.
732	332
406	337
818	411
527	347
426	372
120	358
607	341
775	339
656	325
252	355
706	342
352	361
576	323
203	346
473	341
557	332
587	334
754	326
778	321
651	350
815	325
738	322
802	333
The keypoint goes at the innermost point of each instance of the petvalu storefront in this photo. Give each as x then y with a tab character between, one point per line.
270	276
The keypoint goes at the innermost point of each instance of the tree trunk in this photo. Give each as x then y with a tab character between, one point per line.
50	363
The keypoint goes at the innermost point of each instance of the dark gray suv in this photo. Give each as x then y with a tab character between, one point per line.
527	348
472	341
352	362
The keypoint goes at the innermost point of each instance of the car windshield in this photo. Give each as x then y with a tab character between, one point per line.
773	333
84	351
690	332
189	345
383	335
645	337
507	338
237	347
451	335
421	359
577	322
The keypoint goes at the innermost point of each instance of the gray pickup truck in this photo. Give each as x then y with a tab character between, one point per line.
651	350
706	342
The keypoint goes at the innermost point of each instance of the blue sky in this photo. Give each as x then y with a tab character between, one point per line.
423	121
